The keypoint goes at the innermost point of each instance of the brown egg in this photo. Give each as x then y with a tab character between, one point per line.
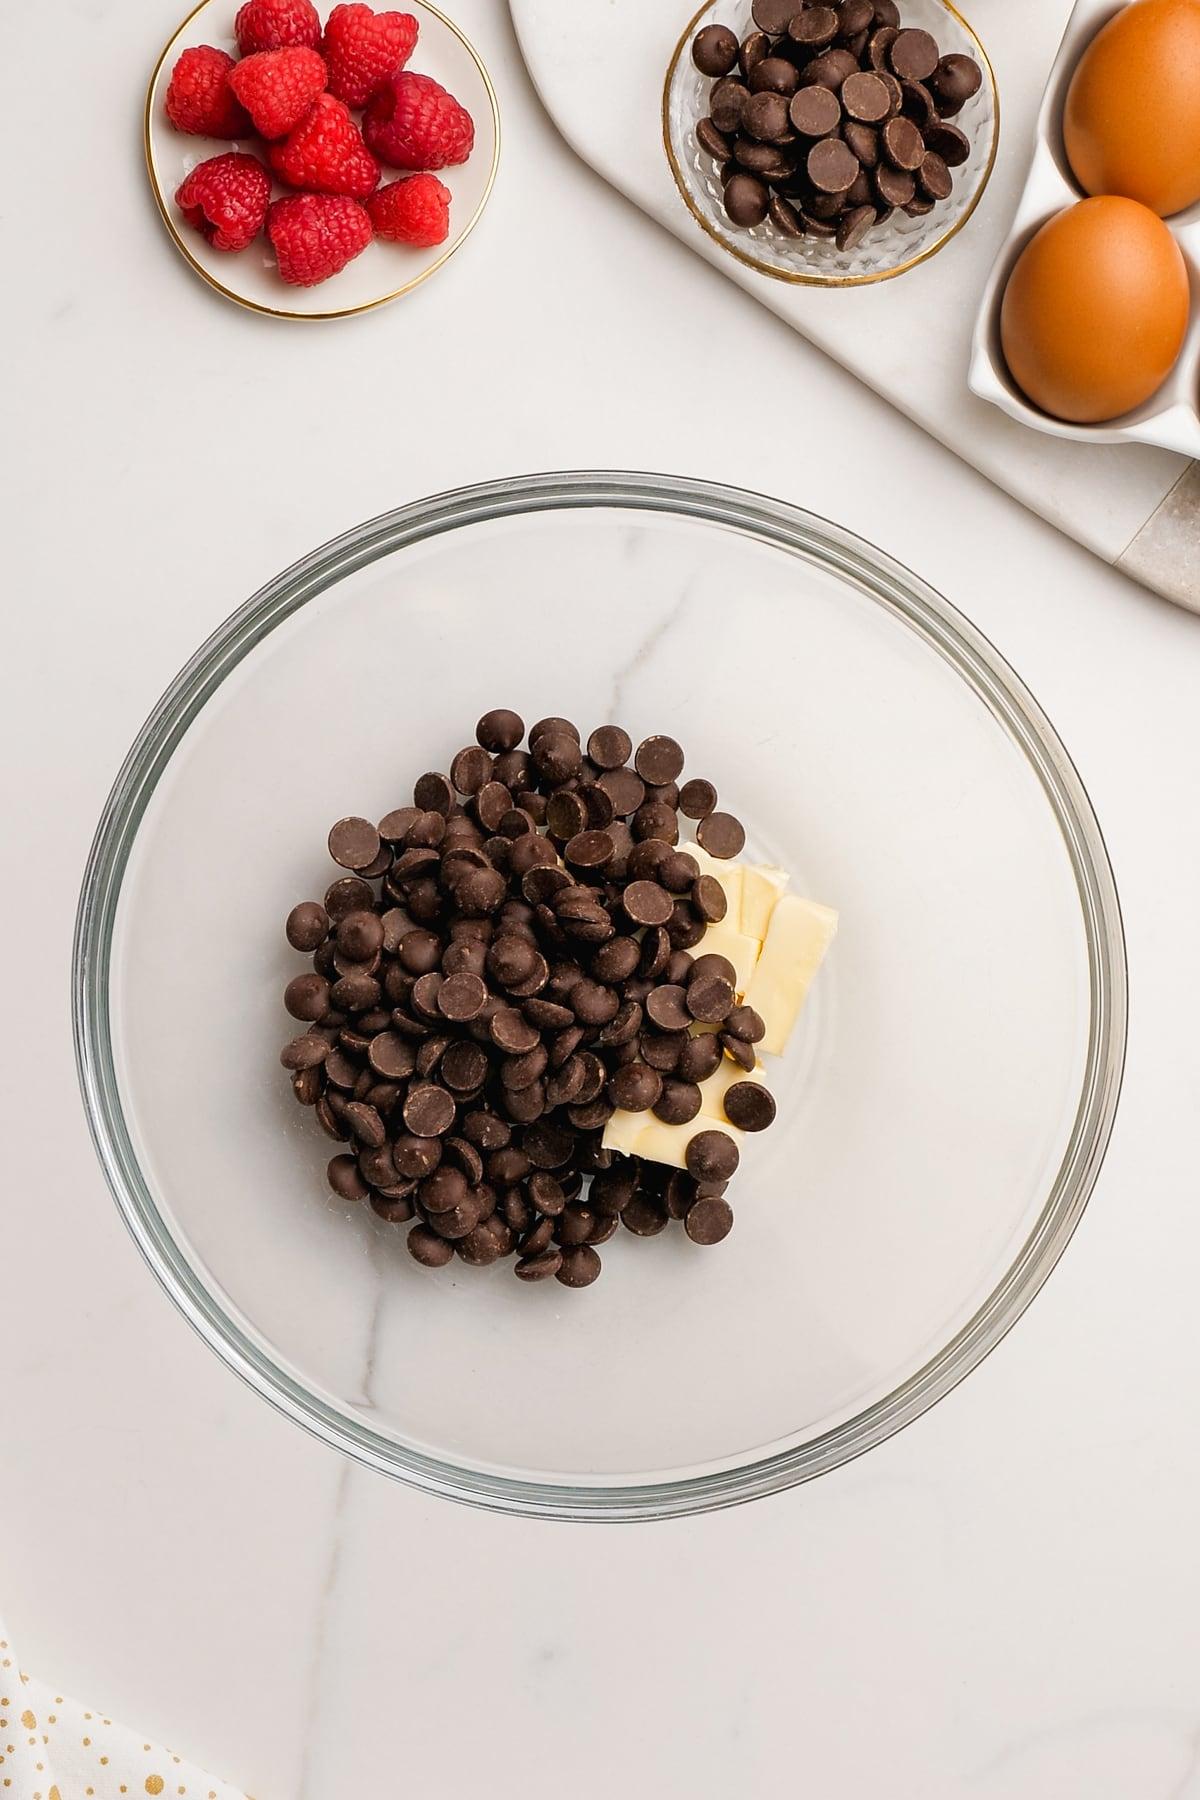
1095	310
1131	123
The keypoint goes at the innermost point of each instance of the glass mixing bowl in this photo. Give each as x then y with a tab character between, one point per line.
945	1103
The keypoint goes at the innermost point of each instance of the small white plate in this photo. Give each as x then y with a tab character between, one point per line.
384	271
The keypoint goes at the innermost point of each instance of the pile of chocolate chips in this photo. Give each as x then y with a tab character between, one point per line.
826	119
506	962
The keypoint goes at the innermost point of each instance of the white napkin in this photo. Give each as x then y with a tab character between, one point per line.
51	1749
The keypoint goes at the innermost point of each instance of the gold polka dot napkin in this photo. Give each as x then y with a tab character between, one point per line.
51	1749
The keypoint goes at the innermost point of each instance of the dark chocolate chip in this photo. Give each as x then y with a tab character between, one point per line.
624	788
304	1052
951	144
752	50
815	112
743	1022
784	217
543	726
831	68
913	54
307	926
658	760
814	28
540	1266
714	52
854	226
354	843
710	1000
345	1179
635	1087
667	1008
579	1267
712	1156
903	146
865	98
428	1110
767	120
918	104
895	187
774	16
710	899
679	1102
727	105
500	730
774	75
720	833
832	166
709	1220
954	81
431	1251
645	1216
646	903
749	1106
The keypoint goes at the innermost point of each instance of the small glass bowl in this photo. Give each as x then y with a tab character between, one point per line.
944	1105
887	250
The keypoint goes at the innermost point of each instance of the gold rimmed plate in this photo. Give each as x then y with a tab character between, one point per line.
384	271
891	248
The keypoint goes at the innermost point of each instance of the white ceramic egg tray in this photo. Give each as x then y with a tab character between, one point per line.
1171	417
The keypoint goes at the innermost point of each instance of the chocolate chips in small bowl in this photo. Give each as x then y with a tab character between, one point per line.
834	143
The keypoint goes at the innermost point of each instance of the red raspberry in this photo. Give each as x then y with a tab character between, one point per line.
277	87
277	25
199	97
315	235
226	198
413	123
413	211
326	153
363	48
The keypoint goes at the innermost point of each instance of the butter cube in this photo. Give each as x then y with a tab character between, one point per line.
762	886
621	1132
799	934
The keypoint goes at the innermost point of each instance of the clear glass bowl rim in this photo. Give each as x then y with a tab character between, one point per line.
901	594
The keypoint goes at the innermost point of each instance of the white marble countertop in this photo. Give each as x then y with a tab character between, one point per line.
1004	1601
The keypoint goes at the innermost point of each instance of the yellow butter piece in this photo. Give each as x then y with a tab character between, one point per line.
799	934
641	1134
621	1131
665	1143
723	939
762	887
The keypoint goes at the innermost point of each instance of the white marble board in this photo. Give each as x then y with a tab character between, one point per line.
599	66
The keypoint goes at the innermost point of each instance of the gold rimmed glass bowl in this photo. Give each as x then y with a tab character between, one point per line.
889	249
